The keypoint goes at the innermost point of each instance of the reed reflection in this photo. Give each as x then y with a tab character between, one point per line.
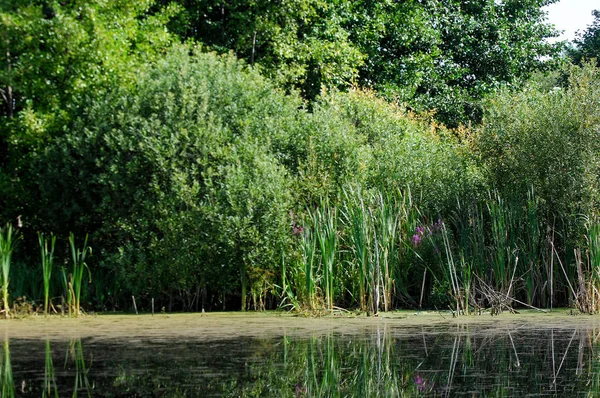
7	385
376	362
50	389
75	356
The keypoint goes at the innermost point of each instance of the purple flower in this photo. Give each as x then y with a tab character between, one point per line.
421	383
416	239
420	230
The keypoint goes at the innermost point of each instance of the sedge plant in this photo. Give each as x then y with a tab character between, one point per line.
385	230
589	280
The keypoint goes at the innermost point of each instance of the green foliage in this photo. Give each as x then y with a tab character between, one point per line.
55	52
184	158
382	146
201	178
186	179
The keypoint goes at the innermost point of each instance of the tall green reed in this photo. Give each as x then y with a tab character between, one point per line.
506	243
377	224
8	238
499	248
79	267
531	247
490	251
47	256
308	244
452	273
357	219
325	222
385	222
468	222
67	289
593	242
405	259
587	265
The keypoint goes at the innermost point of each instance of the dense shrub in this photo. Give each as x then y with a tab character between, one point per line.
548	140
400	151
175	179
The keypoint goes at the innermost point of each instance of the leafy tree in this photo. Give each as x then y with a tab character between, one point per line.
449	54
443	54
54	51
53	55
587	43
300	44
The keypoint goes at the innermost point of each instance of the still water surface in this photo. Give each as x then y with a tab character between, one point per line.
386	359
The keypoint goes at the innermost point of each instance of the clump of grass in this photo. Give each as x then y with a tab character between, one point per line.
379	226
587	263
593	241
76	279
468	221
8	239
47	264
452	274
532	246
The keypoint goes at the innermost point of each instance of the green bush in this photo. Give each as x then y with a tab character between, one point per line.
394	150
548	140
176	179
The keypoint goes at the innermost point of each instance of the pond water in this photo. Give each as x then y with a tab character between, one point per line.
272	356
